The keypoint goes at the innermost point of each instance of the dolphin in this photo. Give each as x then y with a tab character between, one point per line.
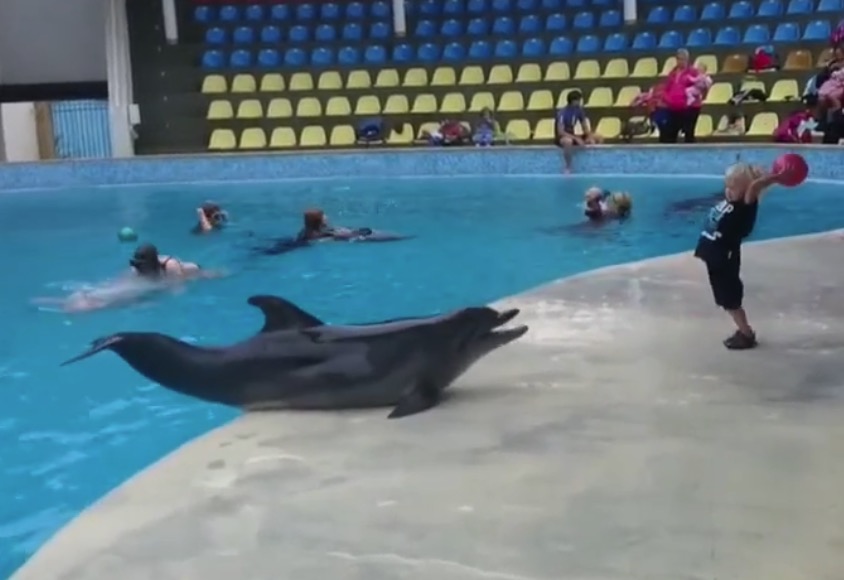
297	362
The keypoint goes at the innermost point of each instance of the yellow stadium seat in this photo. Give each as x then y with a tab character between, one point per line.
640	119
711	62
301	81
558	71
763	124
387	77
481	101
415	77
785	90
253	138
219	110
511	101
587	69
308	107
401	137
561	100
668	66
518	130
750	85
471	75
544	130
424	103
824	58
600	97
453	103
250	109
500	74
645	68
617	68
330	80
719	94
704	127
609	127
283	138
396	104
529	73
214	84
798	60
444	76
541	100
368	105
313	136
222	140
279	109
342	136
272	83
338	107
244	84
359	79
426	128
626	96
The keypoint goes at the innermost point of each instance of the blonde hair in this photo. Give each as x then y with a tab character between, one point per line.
622	202
744	170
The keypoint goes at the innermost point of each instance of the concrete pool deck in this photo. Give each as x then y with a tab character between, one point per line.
617	440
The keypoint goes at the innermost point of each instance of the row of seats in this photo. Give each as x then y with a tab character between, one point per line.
450	103
517	130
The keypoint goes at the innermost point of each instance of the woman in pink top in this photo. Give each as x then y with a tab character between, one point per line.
682	113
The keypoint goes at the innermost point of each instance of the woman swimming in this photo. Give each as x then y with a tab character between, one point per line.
601	204
210	218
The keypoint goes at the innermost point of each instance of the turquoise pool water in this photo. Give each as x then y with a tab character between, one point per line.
72	434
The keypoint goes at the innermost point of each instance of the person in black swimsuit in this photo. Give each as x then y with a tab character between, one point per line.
729	222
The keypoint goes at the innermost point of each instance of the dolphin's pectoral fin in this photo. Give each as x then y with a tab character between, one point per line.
420	397
280	314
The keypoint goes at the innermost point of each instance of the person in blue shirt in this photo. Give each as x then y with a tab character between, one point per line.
566	124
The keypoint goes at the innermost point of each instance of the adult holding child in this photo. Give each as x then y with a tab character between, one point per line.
683	92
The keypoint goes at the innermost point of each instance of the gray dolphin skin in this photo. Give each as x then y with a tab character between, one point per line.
298	362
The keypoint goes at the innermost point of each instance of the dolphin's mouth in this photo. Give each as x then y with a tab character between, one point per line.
506	334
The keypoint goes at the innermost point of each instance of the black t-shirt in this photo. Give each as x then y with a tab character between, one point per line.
726	225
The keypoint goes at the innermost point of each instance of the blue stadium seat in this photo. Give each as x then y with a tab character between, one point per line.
787	32
503	26
588	43
555	23
379	31
269	58
375	54
279	12
243	35
505	49
295	57
429	8
240	59
713	11
757	34
574	4
727	36
212	59
428	52
215	35
403	53
699	37
830	6
480	49
254	13
530	24
270	34
658	15
817	30
644	41
452	27
305	12
477	27
583	20
615	42
325	33
610	18
454	52
425	29
671	39
229	14
561	45
526	6
329	11
299	33
355	11
322	56
348	56
533	48
550	5
380	10
685	13
501	5
769	8
799	7
453	7
477	7
203	14
740	10
602	3
352	31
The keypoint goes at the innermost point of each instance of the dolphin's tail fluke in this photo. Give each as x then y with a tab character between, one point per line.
280	314
98	345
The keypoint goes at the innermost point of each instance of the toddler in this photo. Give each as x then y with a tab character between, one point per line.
700	84
831	93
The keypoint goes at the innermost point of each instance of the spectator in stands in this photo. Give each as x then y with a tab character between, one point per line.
487	129
211	217
680	115
796	128
567	119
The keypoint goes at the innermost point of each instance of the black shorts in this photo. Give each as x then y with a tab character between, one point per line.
725	281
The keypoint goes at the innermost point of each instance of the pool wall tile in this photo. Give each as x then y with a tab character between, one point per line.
825	162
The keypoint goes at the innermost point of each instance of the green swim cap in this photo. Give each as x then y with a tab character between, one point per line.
127	234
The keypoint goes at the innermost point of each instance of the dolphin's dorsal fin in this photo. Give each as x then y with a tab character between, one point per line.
279	314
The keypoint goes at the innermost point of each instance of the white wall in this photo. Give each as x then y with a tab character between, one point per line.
20	133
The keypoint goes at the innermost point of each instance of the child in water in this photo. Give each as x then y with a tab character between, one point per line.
601	204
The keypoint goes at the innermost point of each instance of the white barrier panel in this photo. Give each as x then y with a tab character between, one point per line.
119	78
629	8
399	19
20	132
171	23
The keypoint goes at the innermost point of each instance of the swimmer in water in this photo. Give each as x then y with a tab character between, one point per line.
601	204
315	226
147	263
210	218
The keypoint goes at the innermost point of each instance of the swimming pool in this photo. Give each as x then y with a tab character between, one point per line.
77	432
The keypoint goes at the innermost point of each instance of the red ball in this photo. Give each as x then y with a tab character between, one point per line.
793	169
